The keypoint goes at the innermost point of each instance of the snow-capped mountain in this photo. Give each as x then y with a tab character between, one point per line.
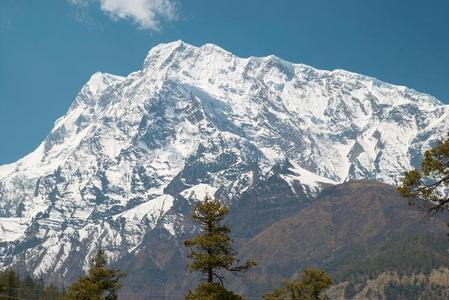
133	153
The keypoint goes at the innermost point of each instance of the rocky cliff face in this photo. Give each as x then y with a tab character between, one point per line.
393	285
132	154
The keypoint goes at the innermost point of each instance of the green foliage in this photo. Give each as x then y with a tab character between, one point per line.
310	286
99	283
407	291
212	291
431	182
13	286
422	253
211	251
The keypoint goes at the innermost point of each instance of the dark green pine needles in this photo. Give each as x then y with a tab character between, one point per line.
211	251
431	183
99	283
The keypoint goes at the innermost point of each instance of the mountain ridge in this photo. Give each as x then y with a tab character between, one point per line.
133	154
356	231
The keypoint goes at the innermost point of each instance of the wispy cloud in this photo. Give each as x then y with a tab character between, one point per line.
146	14
83	14
79	3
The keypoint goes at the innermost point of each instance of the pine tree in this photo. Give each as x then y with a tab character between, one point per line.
211	251
99	283
310	286
431	183
212	291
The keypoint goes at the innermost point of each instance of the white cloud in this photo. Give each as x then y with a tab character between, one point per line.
147	14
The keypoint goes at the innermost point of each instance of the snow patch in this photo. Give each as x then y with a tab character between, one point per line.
199	192
153	209
11	229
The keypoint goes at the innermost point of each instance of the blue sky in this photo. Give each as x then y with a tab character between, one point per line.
49	48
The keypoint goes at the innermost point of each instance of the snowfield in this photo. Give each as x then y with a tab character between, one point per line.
133	152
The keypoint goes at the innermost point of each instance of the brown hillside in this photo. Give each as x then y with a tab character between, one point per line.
353	228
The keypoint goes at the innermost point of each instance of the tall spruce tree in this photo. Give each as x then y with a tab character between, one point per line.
211	252
99	283
431	183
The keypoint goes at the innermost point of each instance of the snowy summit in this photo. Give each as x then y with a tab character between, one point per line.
133	153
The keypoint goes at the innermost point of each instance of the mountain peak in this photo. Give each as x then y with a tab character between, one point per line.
164	51
99	81
126	156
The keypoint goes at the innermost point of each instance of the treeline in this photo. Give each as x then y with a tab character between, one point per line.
100	282
13	286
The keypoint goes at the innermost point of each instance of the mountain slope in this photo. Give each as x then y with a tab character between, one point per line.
356	231
132	154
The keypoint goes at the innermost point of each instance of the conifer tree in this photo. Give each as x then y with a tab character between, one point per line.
310	286
431	183
13	287
99	283
211	252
